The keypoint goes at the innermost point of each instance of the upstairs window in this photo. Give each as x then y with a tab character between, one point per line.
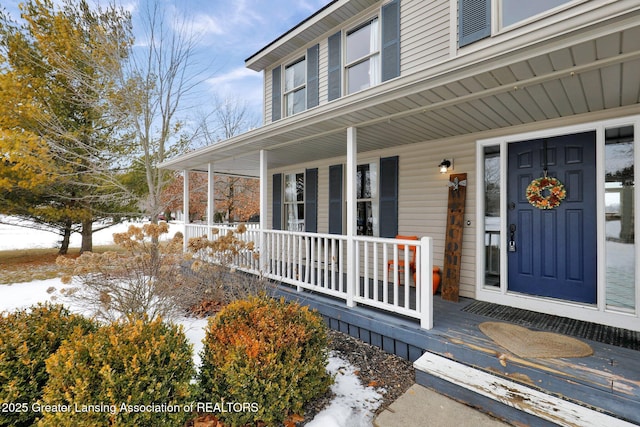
514	11
295	93
363	57
475	18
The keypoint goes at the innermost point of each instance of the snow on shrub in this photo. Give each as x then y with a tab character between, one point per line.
265	356
27	339
130	368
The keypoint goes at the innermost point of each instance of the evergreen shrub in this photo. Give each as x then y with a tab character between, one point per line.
266	358
27	338
129	368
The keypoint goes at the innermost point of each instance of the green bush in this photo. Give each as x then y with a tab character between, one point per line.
27	339
264	359
131	369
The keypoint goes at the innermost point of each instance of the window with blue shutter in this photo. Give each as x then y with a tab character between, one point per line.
313	85
311	200
276	207
389	196
390	40
334	86
276	94
335	199
474	21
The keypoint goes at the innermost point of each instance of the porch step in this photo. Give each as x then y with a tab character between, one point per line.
504	398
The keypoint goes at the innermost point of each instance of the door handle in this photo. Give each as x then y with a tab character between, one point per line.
512	238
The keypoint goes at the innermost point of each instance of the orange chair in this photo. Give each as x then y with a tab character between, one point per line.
402	262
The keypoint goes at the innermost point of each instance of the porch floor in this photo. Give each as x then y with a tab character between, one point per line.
607	382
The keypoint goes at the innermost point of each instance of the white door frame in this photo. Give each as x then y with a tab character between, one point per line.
599	312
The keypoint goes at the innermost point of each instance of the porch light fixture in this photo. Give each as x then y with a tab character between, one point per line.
444	166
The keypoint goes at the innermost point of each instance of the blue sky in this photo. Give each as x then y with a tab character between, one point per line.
229	32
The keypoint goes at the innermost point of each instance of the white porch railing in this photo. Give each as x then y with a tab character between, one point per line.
318	262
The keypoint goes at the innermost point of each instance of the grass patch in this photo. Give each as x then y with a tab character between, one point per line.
26	265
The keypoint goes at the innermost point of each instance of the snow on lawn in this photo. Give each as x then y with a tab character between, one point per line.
353	405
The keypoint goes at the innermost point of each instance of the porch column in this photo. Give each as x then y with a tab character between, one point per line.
211	200
351	177
185	206
264	156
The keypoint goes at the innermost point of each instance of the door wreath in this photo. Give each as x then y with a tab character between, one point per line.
546	193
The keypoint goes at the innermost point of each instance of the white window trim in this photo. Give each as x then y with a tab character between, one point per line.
595	313
375	201
301	223
285	92
346	66
496	16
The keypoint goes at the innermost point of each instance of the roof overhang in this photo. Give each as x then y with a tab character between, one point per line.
588	69
316	26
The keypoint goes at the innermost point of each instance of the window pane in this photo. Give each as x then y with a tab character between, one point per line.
363	188
619	214
517	10
365	219
295	75
296	101
289	188
294	213
358	77
492	215
300	187
362	42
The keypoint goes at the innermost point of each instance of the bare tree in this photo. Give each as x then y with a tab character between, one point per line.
160	77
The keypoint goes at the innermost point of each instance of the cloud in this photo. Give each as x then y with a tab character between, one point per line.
204	24
239	83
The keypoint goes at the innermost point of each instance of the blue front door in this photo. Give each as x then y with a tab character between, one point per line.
552	252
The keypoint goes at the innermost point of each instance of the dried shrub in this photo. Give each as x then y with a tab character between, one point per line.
141	280
264	352
152	278
135	364
216	265
27	339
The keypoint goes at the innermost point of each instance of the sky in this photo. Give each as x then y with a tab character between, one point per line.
228	33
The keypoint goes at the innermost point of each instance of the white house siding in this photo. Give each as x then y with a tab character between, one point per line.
323	76
423	195
424	34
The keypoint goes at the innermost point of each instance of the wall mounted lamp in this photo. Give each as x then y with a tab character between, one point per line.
445	165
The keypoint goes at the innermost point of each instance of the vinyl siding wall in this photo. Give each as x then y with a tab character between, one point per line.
423	196
424	35
424	41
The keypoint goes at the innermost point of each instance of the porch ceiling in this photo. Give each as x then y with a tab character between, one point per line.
583	72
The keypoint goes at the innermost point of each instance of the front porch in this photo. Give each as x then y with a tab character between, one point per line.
456	359
348	281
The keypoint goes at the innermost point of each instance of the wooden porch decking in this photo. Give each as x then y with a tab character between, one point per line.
607	382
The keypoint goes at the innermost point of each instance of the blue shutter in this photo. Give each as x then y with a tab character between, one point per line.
390	40
313	85
276	211
474	21
335	199
389	196
335	67
311	200
276	94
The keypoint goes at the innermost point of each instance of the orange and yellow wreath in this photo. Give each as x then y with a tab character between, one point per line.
546	193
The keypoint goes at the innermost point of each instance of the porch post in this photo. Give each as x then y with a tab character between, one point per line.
185	206
264	156
351	176
211	200
426	283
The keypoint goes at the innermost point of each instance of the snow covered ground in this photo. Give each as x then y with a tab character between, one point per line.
353	405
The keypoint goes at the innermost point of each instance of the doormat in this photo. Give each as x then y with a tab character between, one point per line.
526	343
576	328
